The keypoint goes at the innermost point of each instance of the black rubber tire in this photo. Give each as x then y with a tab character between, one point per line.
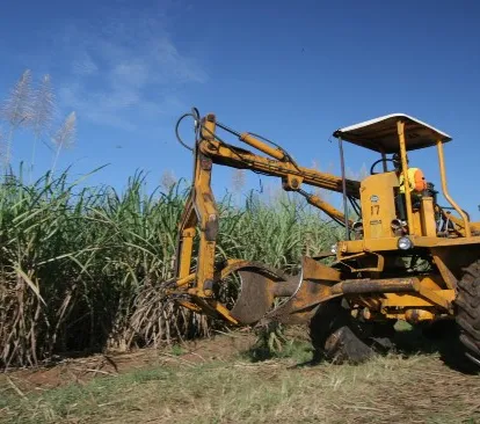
468	316
338	338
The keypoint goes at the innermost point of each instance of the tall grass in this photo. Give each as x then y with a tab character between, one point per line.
81	268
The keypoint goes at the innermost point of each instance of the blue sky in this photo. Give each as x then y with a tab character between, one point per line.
292	72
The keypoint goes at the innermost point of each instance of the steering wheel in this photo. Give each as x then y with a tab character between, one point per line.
376	163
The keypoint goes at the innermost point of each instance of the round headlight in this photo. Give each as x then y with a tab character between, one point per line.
404	243
333	249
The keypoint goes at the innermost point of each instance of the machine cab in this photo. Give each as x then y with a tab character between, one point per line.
383	206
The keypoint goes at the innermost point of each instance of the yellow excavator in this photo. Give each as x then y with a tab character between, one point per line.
410	260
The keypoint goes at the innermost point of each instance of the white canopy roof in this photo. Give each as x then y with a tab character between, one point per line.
380	134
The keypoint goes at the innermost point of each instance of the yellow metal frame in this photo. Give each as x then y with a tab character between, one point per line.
403	155
441	161
201	210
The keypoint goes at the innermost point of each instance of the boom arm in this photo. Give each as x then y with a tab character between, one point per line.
201	209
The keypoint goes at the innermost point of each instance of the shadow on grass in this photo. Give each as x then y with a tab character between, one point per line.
274	341
298	350
440	339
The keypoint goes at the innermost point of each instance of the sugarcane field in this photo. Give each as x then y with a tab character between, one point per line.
239	213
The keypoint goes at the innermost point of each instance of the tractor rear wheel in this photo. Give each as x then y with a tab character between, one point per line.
468	316
338	338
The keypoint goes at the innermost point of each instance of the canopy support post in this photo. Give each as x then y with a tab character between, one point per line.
344	188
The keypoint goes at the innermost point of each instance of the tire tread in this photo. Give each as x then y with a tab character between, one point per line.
467	306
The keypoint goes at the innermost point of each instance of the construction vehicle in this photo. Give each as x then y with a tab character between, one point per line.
352	295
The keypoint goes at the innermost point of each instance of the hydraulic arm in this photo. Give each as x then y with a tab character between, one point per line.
195	285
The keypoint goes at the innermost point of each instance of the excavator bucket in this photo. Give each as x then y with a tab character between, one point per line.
259	286
256	296
267	294
297	296
313	287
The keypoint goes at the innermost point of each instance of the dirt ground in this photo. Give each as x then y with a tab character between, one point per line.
213	381
82	370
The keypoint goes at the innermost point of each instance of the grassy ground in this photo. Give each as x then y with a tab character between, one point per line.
216	381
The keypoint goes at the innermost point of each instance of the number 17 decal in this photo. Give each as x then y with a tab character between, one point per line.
375	209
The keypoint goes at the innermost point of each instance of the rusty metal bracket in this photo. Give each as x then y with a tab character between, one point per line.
380	262
447	275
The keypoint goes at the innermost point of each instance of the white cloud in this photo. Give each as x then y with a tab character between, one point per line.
134	74
84	65
114	71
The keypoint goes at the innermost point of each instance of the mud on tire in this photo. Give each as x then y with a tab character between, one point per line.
338	338
468	317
